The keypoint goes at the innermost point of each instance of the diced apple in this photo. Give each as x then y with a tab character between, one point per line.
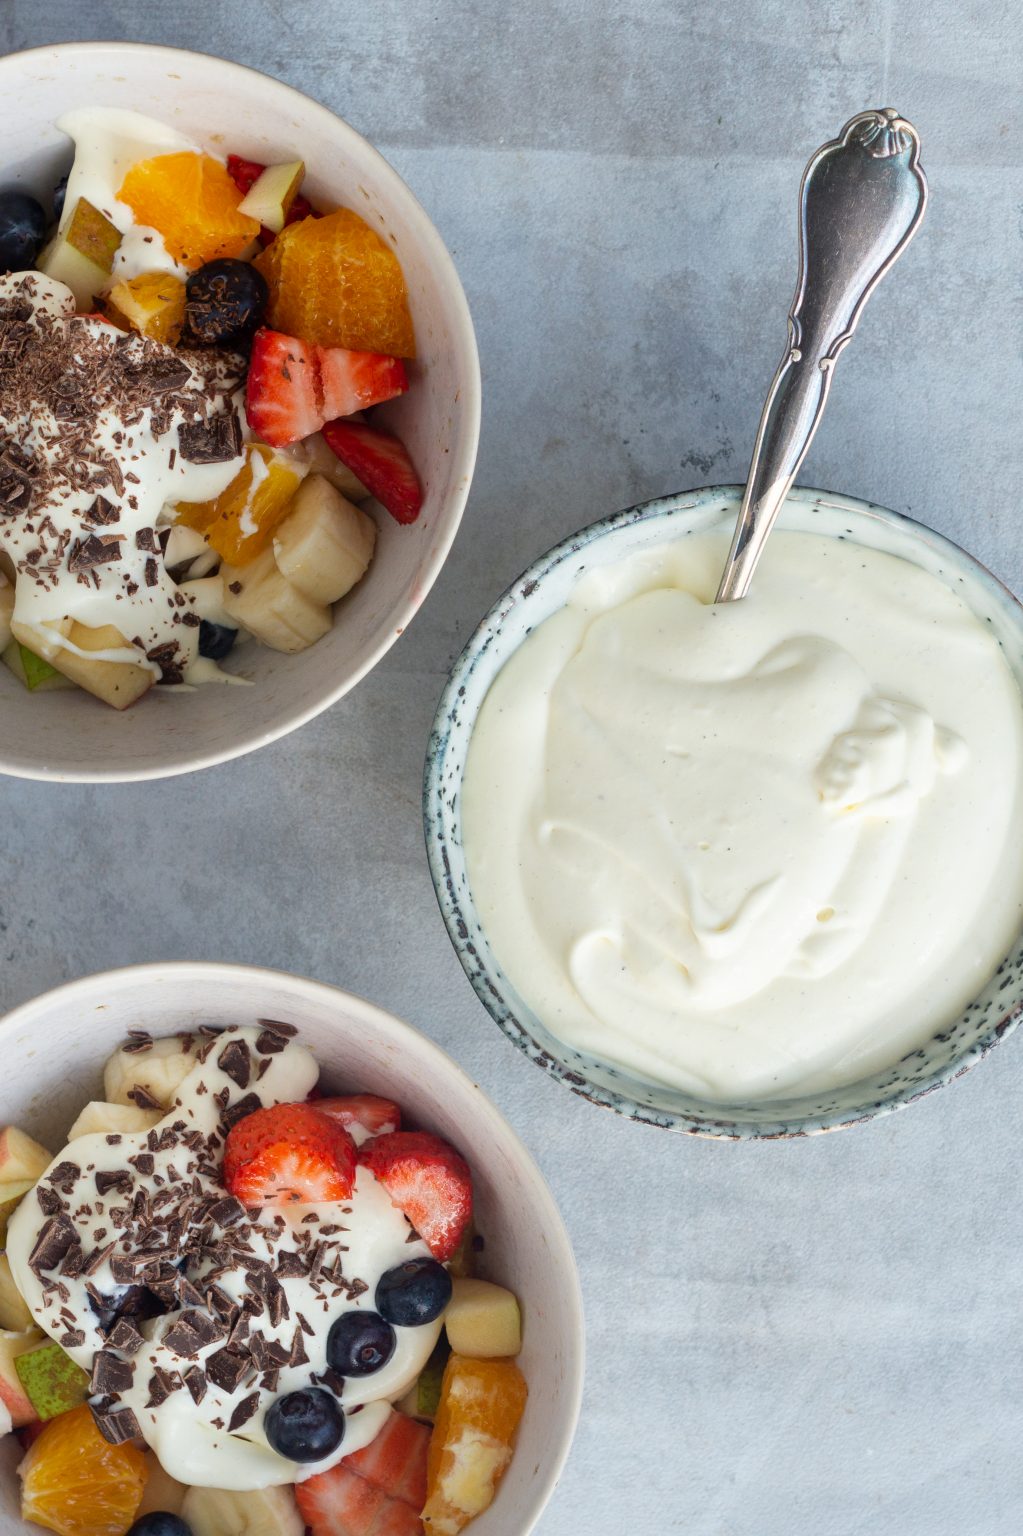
81	255
271	195
11	1196
12	1393
158	1072
320	459
118	683
52	1381
262	600
483	1321
21	1158
6	609
14	1313
101	1118
31	670
325	544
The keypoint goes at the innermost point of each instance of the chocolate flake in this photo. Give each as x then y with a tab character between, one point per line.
227	1211
152	573
110	1374
139	1094
117	1427
125	1337
101	514
213	441
65	1176
235	1063
246	1106
120	1180
244	1411
56	1236
195	1381
73	1339
96	549
227	1370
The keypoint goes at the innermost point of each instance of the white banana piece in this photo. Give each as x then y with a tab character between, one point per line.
100	1118
325	544
320	459
259	1512
160	1070
263	601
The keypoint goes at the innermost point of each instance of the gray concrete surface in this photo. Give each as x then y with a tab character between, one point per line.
784	1340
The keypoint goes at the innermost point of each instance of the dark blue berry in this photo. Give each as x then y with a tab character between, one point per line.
413	1293
224	301
22	231
215	640
59	193
359	1343
159	1523
305	1426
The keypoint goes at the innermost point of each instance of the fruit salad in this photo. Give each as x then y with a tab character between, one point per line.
188	348
230	1306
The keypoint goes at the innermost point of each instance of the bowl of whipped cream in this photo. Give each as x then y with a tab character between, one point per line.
58	1049
84	91
742	870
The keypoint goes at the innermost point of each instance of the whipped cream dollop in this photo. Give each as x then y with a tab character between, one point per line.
757	848
250	1294
100	431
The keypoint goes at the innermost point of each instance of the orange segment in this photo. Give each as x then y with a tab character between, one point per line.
240	523
193	203
481	1403
153	304
75	1483
334	283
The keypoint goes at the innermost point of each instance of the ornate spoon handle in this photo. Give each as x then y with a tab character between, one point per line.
861	201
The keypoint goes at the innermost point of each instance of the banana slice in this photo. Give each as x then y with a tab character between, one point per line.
99	1117
324	545
263	601
162	1492
320	459
160	1071
262	1512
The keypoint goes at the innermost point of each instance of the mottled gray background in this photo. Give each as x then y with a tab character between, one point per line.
785	1340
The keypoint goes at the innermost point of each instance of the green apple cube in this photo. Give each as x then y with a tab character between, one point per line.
429	1383
31	670
52	1381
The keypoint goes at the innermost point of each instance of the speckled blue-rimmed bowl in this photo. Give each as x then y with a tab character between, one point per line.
540	592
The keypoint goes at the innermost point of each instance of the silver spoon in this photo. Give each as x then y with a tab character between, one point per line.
861	201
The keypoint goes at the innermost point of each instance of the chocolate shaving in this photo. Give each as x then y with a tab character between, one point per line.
17	479
65	1176
96	549
145	538
144	1162
195	1381
73	1339
141	1096
298	1354
246	1106
269	1044
234	1061
56	1236
244	1411
49	1200
276	1027
120	1180
101	514
161	1384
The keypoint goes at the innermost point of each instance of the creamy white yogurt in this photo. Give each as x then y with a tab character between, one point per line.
364	1236
751	849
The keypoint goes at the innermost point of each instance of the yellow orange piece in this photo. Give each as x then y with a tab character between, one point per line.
240	523
481	1403
334	282
193	203
75	1483
153	303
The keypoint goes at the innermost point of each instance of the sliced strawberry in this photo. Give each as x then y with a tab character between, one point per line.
382	463
282	390
341	1503
244	173
289	1154
426	1179
395	1462
374	1115
352	381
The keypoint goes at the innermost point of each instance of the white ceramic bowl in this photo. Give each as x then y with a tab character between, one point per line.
542	591
68	736
53	1050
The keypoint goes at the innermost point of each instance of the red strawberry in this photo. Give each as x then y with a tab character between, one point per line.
282	390
426	1179
341	1503
381	462
365	1109
244	173
395	1462
352	381
289	1154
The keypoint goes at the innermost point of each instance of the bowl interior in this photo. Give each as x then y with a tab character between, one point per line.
358	1046
228	108
540	592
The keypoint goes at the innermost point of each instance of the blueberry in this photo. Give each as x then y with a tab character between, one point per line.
159	1523
215	640
225	301
22	231
59	193
359	1343
305	1426
413	1293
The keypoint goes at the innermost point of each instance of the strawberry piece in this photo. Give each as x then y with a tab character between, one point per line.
382	463
289	1154
395	1462
374	1115
341	1503
282	389
352	381
426	1179
244	173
